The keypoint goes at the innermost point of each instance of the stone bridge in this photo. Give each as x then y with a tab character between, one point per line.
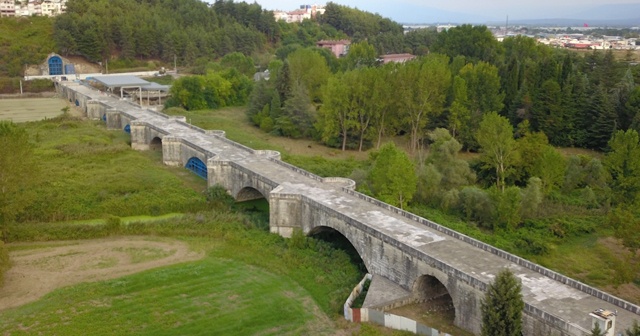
411	258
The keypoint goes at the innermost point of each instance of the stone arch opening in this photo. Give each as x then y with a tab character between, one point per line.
249	194
155	144
55	66
433	299
127	129
197	166
338	240
255	204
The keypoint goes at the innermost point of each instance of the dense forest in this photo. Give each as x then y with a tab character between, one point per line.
513	103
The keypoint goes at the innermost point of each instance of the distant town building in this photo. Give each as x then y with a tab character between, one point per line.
396	58
298	15
10	8
338	48
7	8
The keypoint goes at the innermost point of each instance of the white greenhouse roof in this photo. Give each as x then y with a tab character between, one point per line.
120	81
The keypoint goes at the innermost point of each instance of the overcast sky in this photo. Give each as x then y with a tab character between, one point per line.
489	9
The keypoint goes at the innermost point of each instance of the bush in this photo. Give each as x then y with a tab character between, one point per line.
476	205
12	85
113	224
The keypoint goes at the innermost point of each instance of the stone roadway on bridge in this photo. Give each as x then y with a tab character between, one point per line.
540	291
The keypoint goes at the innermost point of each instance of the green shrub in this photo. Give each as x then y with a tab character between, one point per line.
113	224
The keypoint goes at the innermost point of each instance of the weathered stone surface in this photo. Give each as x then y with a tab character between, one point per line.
385	294
393	244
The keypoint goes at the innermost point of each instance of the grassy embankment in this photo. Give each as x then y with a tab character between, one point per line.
249	282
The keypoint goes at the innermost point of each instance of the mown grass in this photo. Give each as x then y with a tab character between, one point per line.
211	297
250	282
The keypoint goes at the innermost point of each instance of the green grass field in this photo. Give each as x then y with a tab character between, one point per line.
85	171
31	109
210	297
250	282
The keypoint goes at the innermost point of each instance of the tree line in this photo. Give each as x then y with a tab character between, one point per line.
162	29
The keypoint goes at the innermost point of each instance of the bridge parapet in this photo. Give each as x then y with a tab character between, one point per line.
503	254
269	154
159	114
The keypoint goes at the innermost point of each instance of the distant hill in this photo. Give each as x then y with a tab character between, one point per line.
570	22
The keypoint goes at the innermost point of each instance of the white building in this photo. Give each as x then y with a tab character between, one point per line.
305	12
7	8
32	7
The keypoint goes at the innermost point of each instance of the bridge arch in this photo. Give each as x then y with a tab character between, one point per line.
248	194
155	144
197	166
431	293
329	231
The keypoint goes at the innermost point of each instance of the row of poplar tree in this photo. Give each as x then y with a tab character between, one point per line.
577	101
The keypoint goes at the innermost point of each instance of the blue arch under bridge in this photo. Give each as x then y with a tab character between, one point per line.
127	128
197	166
55	66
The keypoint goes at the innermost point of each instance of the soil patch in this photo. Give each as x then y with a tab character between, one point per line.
39	268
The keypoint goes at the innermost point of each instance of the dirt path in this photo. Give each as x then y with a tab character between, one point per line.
39	268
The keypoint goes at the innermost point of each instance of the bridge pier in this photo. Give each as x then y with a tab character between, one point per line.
285	212
172	151
95	110
139	135
113	119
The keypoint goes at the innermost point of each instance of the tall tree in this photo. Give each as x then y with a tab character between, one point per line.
473	42
602	119
596	331
308	68
336	118
483	96
502	306
382	104
497	146
623	163
459	113
392	177
547	114
422	93
633	330
360	55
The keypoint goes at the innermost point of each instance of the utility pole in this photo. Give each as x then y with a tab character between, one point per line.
506	27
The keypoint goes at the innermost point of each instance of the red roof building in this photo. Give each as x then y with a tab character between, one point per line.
338	48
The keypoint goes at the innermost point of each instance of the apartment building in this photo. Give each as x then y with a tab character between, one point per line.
32	7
